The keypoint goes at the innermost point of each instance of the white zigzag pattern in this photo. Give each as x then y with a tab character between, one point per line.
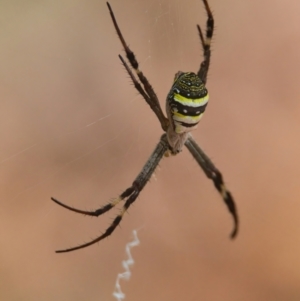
118	294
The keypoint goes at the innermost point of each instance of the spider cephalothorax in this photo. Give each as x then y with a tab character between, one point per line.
185	105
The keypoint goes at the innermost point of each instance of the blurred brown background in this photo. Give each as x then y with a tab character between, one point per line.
73	127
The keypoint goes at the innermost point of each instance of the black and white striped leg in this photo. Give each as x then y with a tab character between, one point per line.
152	99
129	195
202	73
214	174
137	85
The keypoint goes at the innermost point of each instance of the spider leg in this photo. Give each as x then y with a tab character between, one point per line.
152	99
202	73
214	174
137	85
130	194
101	210
111	228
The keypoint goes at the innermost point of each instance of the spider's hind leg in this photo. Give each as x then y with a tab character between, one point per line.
202	73
147	91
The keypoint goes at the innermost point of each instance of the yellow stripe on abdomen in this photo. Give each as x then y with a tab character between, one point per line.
198	102
186	101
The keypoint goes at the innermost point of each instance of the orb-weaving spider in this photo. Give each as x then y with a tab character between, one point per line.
185	106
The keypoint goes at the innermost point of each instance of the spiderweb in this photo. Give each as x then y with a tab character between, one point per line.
73	127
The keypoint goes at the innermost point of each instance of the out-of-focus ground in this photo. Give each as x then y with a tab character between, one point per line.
72	126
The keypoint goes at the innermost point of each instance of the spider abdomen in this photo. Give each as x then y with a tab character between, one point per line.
186	102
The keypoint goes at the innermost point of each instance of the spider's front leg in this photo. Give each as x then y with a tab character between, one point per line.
215	175
129	195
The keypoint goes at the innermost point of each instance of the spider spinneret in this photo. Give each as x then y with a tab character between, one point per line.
185	105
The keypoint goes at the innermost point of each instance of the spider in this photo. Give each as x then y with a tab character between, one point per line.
185	105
